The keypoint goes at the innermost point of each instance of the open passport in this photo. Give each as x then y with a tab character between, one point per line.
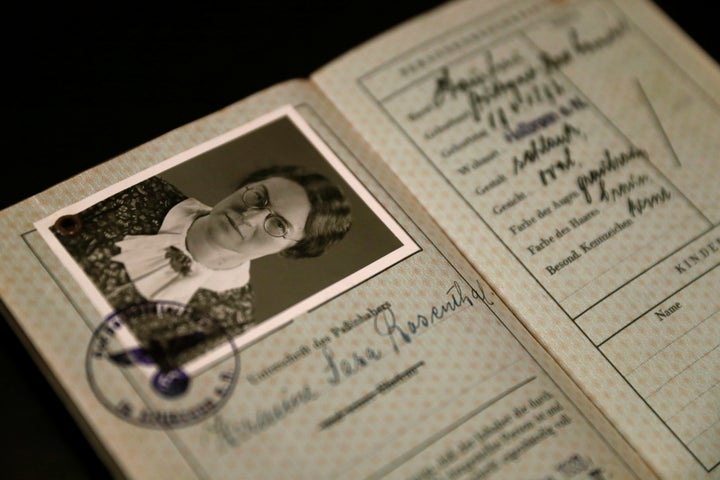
482	245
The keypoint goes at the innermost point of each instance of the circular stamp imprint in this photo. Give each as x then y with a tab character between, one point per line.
142	382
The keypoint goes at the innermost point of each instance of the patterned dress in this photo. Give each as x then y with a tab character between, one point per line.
140	210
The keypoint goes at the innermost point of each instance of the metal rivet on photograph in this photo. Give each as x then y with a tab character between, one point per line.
68	225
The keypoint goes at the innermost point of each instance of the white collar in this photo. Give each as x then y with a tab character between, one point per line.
144	257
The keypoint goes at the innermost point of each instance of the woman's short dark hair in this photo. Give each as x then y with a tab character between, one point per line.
330	217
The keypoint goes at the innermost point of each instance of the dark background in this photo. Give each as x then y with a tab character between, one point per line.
82	85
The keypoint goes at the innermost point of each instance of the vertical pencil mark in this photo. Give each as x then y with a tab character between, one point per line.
659	123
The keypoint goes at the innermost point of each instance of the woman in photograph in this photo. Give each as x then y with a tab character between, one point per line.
151	242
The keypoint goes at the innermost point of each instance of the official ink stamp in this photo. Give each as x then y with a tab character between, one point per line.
145	382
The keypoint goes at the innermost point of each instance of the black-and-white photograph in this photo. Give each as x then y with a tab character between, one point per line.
250	229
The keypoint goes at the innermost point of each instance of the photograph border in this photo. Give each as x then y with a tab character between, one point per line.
283	318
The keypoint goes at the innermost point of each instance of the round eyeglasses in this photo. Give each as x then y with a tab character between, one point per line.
255	197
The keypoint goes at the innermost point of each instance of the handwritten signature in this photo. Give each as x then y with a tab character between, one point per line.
387	325
233	433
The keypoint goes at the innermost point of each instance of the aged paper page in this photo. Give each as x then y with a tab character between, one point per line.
570	151
407	366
